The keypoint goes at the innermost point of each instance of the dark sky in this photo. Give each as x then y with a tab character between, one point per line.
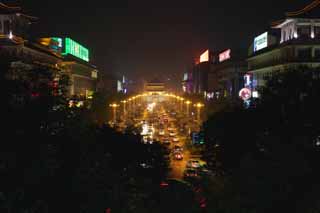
149	38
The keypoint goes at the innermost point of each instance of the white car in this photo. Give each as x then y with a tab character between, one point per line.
172	134
193	163
175	139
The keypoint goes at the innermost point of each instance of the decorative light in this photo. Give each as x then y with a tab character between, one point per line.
10	35
312	34
245	94
114	105
199	105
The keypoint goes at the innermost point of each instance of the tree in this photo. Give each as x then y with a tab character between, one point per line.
269	152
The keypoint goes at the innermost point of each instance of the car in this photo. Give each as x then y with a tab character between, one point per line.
193	163
190	173
161	132
172	134
177	148
205	172
175	139
178	156
166	142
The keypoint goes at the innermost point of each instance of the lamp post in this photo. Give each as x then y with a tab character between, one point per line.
114	109
129	106
188	105
124	107
199	106
181	104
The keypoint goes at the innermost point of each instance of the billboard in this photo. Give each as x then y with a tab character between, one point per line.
119	86
76	49
204	57
53	43
260	42
185	76
225	55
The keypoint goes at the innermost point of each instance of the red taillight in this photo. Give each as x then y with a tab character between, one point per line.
35	94
164	184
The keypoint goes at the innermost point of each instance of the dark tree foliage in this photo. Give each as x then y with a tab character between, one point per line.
266	157
54	159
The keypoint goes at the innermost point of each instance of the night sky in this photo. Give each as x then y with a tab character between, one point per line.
147	39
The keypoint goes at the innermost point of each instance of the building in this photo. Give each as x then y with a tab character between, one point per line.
187	83
155	86
62	54
225	78
14	24
200	72
218	74
296	44
76	63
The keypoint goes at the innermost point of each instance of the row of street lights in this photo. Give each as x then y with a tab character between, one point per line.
133	101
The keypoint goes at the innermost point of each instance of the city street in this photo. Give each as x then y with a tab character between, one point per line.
166	122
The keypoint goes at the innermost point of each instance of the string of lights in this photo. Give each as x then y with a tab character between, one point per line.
305	9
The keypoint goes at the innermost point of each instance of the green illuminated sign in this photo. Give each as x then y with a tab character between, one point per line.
75	49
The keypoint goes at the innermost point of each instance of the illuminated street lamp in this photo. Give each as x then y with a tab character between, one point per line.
188	105
181	103
198	106
124	106
114	106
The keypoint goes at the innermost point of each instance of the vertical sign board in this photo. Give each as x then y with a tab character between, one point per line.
260	42
119	86
75	49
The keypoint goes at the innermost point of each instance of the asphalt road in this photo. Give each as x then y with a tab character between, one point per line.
158	118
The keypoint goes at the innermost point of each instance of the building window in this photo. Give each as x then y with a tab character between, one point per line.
94	74
304	31
290	34
304	53
317	53
317	31
6	27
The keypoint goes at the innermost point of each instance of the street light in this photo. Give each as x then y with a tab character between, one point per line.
198	106
124	106
188	104
114	107
181	103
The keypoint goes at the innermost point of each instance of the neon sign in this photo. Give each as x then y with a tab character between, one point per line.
204	57
225	55
245	94
260	42
75	49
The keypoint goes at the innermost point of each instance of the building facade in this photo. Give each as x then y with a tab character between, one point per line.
155	86
61	54
225	78
218	75
297	45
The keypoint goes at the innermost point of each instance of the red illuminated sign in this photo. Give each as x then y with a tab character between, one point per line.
225	55
245	94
